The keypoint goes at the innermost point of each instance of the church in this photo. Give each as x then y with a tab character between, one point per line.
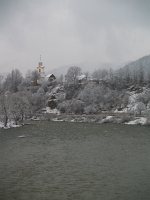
42	75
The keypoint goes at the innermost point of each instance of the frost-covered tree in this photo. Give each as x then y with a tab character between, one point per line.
148	77
65	106
139	107
37	102
34	77
140	75
100	74
19	107
71	106
91	109
77	106
41	91
1	83
13	80
99	97
86	95
72	75
4	108
92	94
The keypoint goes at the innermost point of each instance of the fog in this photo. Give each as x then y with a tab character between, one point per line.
67	32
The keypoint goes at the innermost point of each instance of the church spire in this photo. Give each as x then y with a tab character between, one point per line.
40	67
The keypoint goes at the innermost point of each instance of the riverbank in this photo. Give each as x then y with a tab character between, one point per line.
122	118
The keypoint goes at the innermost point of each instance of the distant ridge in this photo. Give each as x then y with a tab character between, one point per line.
85	67
143	63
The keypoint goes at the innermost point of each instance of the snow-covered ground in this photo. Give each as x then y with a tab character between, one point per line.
52	111
139	120
125	110
1	125
107	119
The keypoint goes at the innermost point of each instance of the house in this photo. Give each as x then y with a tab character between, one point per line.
50	77
82	79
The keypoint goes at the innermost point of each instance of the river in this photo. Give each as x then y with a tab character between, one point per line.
75	161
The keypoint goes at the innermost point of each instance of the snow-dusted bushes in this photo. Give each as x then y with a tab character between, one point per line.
64	107
92	94
91	109
37	101
77	106
139	102
74	106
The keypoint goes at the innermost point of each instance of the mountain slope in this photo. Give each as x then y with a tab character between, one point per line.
143	63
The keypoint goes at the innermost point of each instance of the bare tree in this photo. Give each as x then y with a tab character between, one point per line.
13	80
34	77
72	75
19	107
141	75
100	74
4	108
1	83
37	102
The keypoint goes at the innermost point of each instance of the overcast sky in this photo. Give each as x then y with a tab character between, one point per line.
68	32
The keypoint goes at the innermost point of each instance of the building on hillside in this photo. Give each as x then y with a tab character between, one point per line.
50	77
82	79
42	75
40	68
41	71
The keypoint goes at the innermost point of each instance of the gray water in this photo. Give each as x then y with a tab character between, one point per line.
75	161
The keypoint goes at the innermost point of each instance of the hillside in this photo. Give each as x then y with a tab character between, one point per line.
143	63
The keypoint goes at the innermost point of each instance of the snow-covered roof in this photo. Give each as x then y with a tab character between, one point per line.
81	77
49	75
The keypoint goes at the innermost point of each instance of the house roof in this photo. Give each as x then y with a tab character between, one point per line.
81	77
49	75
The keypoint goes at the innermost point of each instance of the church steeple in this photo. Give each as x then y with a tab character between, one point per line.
40	67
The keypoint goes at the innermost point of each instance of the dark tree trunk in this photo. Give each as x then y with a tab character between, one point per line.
6	121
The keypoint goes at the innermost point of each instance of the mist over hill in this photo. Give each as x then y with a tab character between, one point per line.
86	67
133	66
143	63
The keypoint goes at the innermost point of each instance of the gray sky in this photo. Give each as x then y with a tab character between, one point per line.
72	31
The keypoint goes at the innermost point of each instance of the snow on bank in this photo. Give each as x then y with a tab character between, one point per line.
139	120
52	111
1	125
57	120
108	119
124	110
9	125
